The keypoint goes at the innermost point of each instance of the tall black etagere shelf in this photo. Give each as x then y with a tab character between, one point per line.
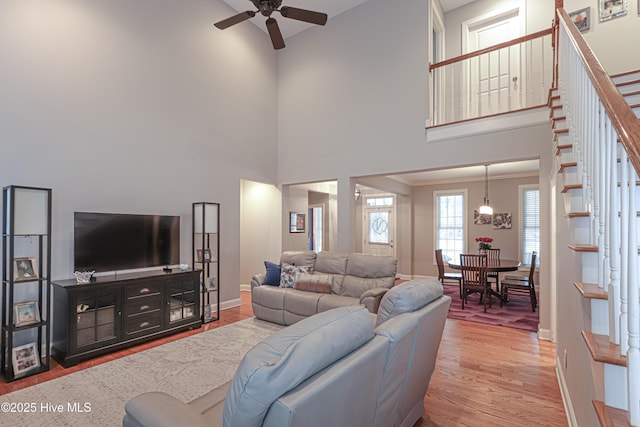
206	256
26	271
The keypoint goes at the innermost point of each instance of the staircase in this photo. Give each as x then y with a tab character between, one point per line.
596	140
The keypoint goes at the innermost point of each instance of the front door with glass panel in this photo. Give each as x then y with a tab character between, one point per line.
379	226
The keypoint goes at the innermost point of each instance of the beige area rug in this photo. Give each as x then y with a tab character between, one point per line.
186	369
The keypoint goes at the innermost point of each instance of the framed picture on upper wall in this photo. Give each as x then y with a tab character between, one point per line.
609	9
582	19
296	222
502	220
480	219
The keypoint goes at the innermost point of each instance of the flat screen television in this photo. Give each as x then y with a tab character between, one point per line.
109	241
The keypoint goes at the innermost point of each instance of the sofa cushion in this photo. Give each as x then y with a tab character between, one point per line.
289	272
320	283
327	302
273	274
366	272
301	302
408	297
298	258
331	262
290	356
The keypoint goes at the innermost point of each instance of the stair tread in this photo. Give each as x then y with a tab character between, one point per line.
602	350
566	165
627	83
568	187
591	290
609	416
577	214
561	147
583	248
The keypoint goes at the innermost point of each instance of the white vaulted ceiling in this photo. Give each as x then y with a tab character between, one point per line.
290	27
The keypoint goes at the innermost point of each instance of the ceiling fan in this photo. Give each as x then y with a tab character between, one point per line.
266	8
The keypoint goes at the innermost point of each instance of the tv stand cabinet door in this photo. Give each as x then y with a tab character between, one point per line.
96	319
182	299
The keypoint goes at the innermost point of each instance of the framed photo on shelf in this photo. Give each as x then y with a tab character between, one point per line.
582	19
296	222
25	358
211	284
204	255
26	313
208	313
25	269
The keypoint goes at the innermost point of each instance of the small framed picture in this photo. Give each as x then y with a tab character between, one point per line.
582	19
25	269
204	255
296	222
26	313
25	358
211	284
612	9
208	313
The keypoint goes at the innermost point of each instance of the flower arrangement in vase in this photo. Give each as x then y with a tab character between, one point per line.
484	243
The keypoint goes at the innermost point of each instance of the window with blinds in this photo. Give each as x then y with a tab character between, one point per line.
450	226
530	234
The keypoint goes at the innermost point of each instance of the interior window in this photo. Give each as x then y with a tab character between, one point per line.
450	224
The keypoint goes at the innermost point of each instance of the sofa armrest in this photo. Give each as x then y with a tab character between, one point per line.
157	409
257	280
371	298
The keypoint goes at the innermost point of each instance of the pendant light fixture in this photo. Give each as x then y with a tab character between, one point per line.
485	209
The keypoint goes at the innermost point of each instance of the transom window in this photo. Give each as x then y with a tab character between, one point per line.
450	224
379	201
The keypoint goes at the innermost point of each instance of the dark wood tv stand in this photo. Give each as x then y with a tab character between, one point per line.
118	311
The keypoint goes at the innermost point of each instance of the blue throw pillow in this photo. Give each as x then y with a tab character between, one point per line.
273	274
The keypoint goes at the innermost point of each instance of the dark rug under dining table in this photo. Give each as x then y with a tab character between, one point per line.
515	314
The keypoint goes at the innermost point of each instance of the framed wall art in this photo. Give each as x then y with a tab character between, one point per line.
608	9
502	220
582	19
481	219
296	222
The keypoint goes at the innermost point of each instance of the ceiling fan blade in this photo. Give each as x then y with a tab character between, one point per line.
275	34
235	19
309	16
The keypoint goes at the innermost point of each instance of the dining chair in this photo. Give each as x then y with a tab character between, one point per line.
447	276
521	284
474	278
493	257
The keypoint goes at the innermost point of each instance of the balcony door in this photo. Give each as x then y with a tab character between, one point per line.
493	80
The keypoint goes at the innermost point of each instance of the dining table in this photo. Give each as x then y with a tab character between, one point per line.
494	266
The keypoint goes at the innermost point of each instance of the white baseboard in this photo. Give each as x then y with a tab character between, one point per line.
245	288
237	302
546	334
564	392
414	276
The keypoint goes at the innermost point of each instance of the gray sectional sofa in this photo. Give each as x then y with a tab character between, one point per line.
355	279
341	367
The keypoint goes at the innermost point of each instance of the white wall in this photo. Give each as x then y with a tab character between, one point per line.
539	16
261	231
354	103
136	107
610	39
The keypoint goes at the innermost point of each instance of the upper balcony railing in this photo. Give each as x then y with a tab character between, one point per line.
510	76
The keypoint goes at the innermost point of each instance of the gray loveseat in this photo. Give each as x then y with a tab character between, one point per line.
355	279
342	367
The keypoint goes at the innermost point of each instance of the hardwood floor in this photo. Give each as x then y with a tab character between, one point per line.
485	375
